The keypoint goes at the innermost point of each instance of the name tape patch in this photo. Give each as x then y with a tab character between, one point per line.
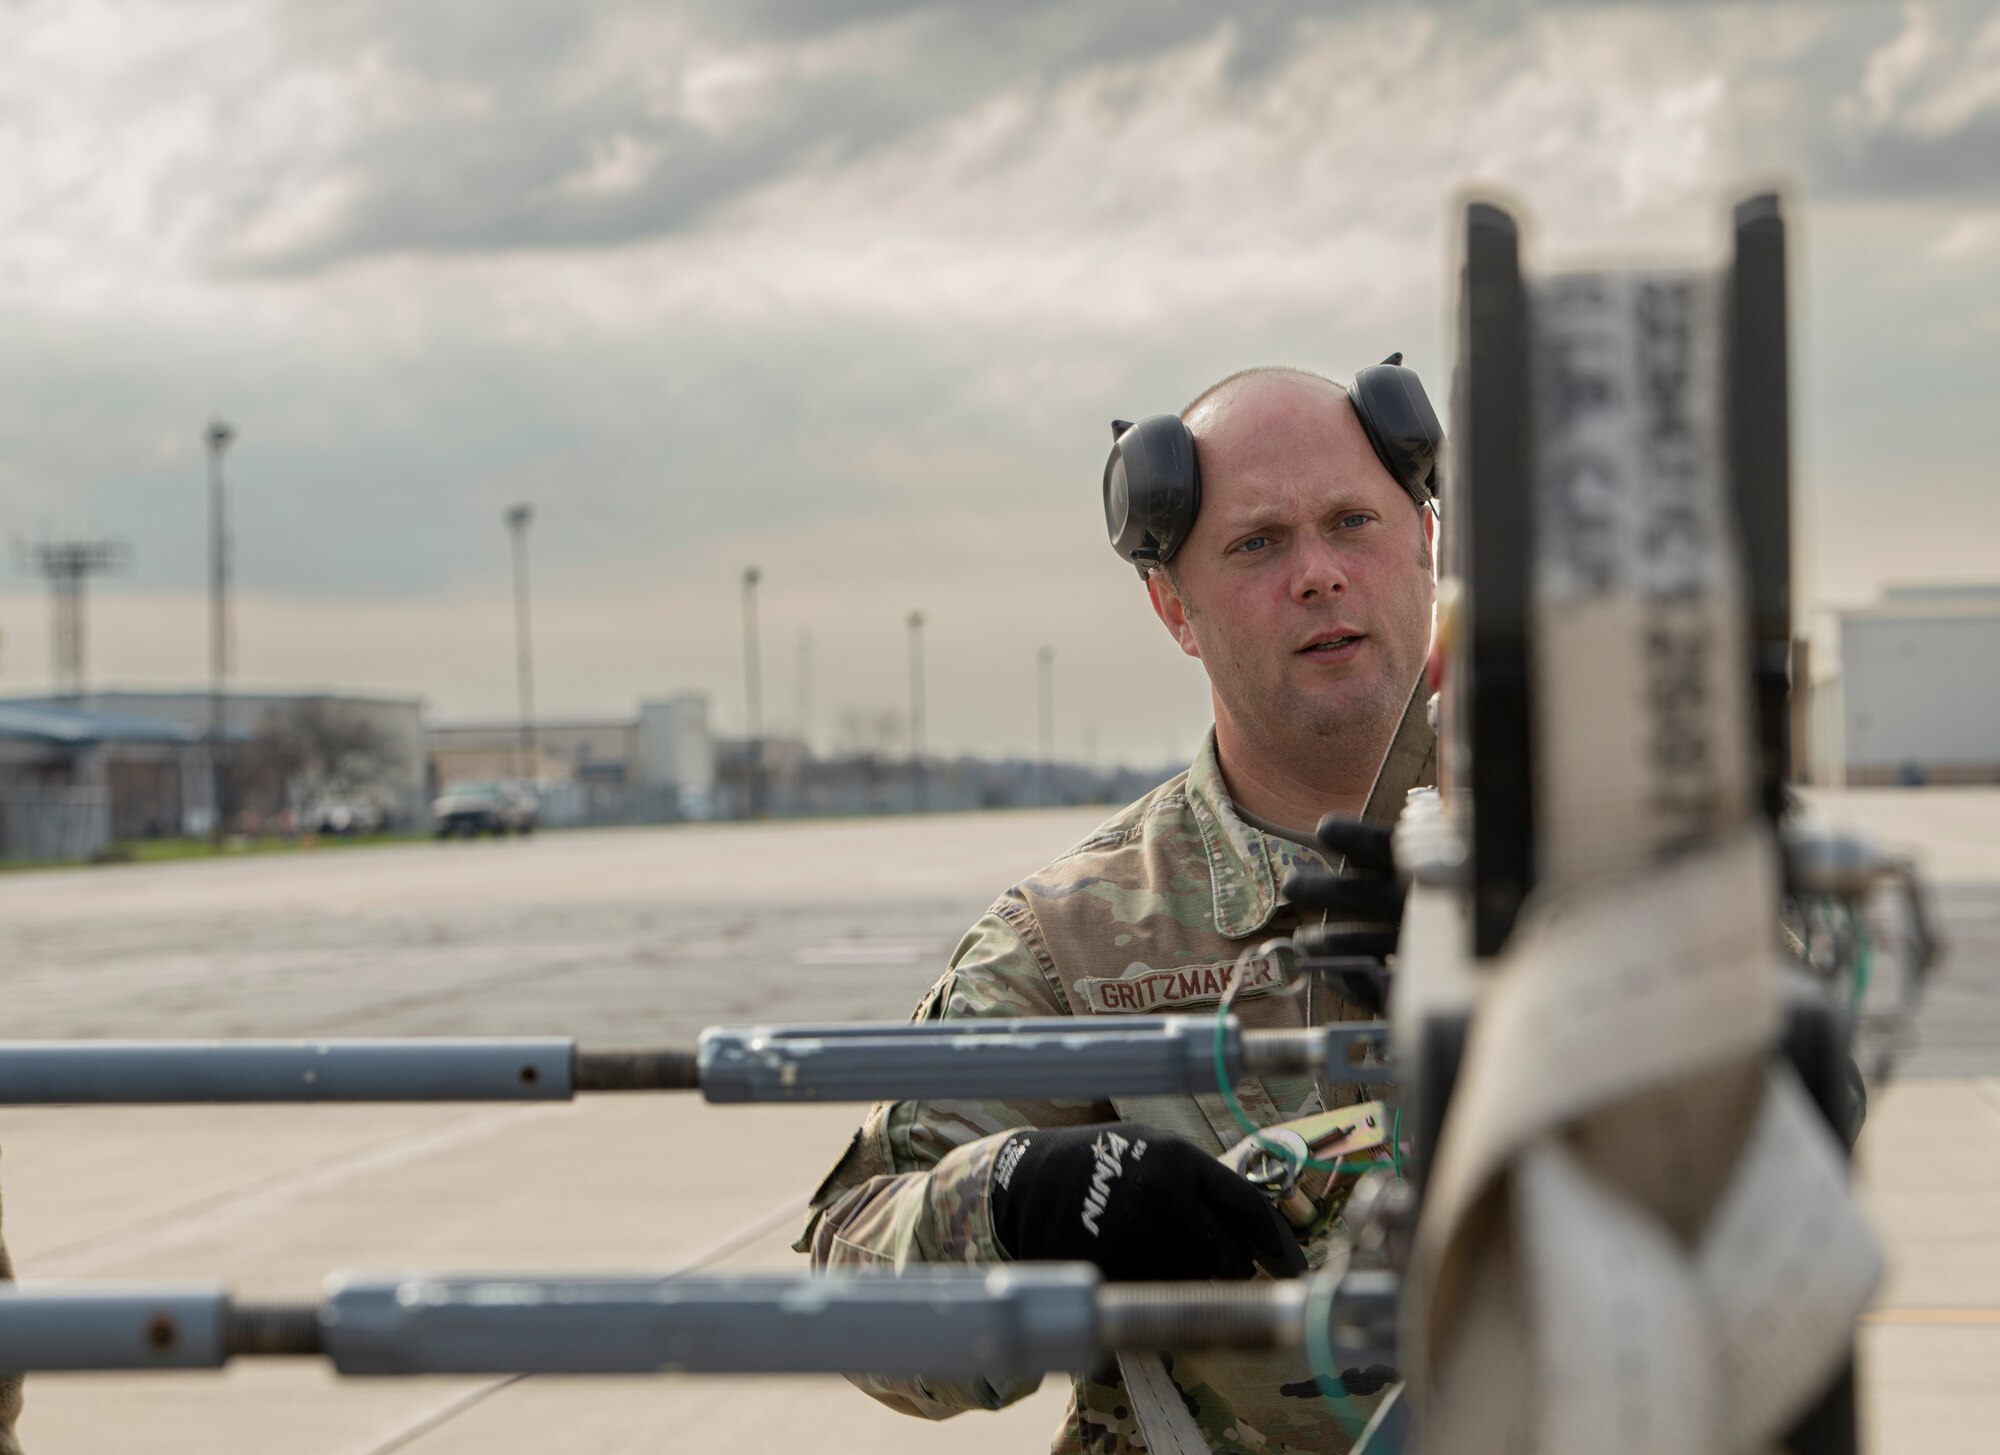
1142	989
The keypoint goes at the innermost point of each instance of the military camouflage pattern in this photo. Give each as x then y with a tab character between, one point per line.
10	1384
1148	915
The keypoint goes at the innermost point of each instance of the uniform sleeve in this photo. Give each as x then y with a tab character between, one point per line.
10	1384
912	1186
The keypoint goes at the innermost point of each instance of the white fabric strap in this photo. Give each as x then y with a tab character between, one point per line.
1157	1406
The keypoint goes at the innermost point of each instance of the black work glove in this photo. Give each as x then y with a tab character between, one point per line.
1140	1203
1365	896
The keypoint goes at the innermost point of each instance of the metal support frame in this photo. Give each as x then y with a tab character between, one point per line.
1491	551
1760	466
1493	717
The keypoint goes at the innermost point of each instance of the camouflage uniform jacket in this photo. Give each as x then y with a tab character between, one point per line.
10	1384
1148	915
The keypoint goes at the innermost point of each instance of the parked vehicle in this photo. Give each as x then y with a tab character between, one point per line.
344	818
470	809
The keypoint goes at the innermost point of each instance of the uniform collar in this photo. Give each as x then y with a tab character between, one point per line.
1241	872
1239	860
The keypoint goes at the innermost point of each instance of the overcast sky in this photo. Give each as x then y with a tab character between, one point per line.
851	291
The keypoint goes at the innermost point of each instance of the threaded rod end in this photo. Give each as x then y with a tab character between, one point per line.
273	1328
1164	1316
636	1070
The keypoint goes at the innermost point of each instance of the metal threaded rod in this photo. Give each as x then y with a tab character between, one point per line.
1316	1050
636	1070
273	1328
1166	1316
1296	1048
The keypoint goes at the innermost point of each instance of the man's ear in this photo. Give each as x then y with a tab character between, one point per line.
1172	611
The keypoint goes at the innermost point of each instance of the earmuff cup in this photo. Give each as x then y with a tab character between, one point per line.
1152	481
1397	417
1152	489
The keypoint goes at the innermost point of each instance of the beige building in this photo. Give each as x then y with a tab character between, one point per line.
564	749
658	764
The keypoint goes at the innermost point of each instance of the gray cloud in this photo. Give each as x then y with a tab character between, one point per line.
565	127
1963	165
550	126
1919	114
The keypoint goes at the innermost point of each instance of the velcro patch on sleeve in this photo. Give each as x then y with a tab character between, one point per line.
1143	990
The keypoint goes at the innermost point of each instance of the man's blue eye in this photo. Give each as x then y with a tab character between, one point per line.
1254	543
1354	520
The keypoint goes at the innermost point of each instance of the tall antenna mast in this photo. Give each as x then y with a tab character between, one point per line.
68	566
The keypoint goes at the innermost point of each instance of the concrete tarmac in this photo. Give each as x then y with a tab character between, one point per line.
633	936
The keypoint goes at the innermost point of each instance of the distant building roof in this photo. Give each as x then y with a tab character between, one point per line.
52	722
512	725
1910	601
1988	591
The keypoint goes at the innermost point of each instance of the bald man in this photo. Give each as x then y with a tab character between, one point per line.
1304	588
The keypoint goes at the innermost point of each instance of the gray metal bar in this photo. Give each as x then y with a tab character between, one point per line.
1063	1056
946	1322
171	1326
943	1322
42	1073
1057	1056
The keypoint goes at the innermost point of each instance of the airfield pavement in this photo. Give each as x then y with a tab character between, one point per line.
637	936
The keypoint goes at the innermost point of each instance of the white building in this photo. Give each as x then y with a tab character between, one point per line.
676	747
1920	686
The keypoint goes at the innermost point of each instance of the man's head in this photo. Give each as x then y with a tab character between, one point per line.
1305	586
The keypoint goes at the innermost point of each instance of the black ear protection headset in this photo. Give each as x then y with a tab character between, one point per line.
1152	485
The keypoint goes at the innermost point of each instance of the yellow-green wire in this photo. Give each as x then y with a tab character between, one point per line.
1250	1128
1319	1353
1863	956
1320	1298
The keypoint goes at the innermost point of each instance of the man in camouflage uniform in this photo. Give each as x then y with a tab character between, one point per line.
1305	589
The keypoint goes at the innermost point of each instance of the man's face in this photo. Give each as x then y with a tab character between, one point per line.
1305	588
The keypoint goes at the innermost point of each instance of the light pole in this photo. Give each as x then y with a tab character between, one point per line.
1045	661
805	690
753	690
525	766
218	436
919	794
